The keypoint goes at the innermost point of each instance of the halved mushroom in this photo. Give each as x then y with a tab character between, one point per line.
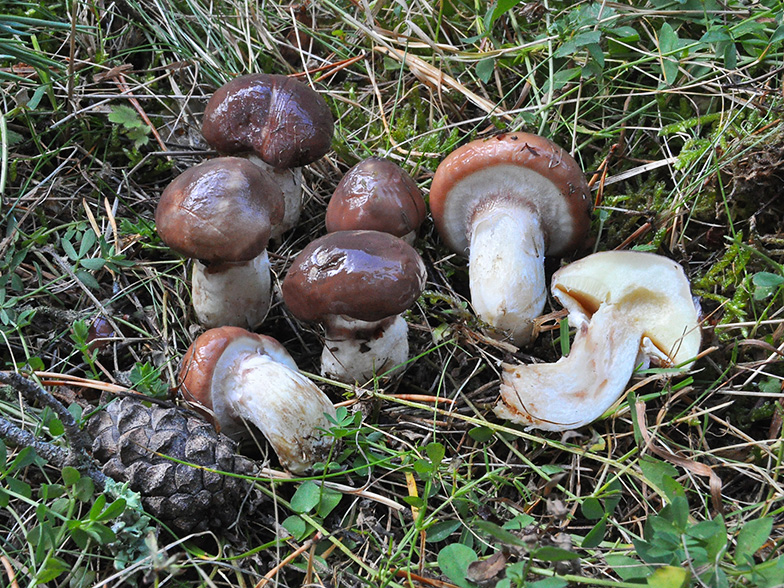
629	307
239	377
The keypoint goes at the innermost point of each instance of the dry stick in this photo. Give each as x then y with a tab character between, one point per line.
9	570
274	571
34	394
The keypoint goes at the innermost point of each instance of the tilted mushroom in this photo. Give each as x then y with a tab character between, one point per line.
378	195
629	307
357	283
280	123
240	377
506	202
220	213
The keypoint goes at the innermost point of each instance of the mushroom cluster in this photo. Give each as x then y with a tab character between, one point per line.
505	202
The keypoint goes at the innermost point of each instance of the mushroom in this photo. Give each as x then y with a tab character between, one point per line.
357	283
220	213
239	377
506	202
629	307
280	123
378	195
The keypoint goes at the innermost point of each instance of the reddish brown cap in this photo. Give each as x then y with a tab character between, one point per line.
200	361
512	167
219	210
363	275
376	194
285	122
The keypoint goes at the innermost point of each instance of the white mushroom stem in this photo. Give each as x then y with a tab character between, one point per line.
506	268
284	405
290	182
579	388
356	351
232	294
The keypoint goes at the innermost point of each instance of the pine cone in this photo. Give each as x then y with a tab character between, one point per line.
134	442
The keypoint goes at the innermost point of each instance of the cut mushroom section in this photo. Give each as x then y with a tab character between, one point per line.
629	308
506	202
238	377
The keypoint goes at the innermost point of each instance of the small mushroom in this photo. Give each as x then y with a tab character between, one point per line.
357	283
506	202
220	213
378	195
239	377
629	307
280	123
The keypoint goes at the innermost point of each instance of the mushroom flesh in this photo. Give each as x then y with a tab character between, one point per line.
629	308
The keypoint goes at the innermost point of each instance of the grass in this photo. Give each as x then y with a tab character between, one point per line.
674	111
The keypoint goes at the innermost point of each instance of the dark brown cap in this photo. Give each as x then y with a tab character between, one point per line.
219	210
378	195
285	122
363	275
515	167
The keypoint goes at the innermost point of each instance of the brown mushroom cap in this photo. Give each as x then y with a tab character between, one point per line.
219	210
515	167
285	122
363	275
202	358
376	194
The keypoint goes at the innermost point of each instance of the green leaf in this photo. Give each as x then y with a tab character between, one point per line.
125	116
329	500
655	471
627	567
436	452
668	43
88	240
97	507
454	561
549	553
481	434
306	498
592	509
669	577
23	459
56	427
485	69
92	263
296	526
70	475
503	6
441	530
87	279
777	36
596	535
498	533
114	510
69	250
551	582
751	538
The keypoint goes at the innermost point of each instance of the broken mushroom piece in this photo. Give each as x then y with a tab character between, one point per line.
357	283
378	195
506	202
278	122
240	377
220	214
629	307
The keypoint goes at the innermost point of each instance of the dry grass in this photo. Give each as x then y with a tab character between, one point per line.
684	148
